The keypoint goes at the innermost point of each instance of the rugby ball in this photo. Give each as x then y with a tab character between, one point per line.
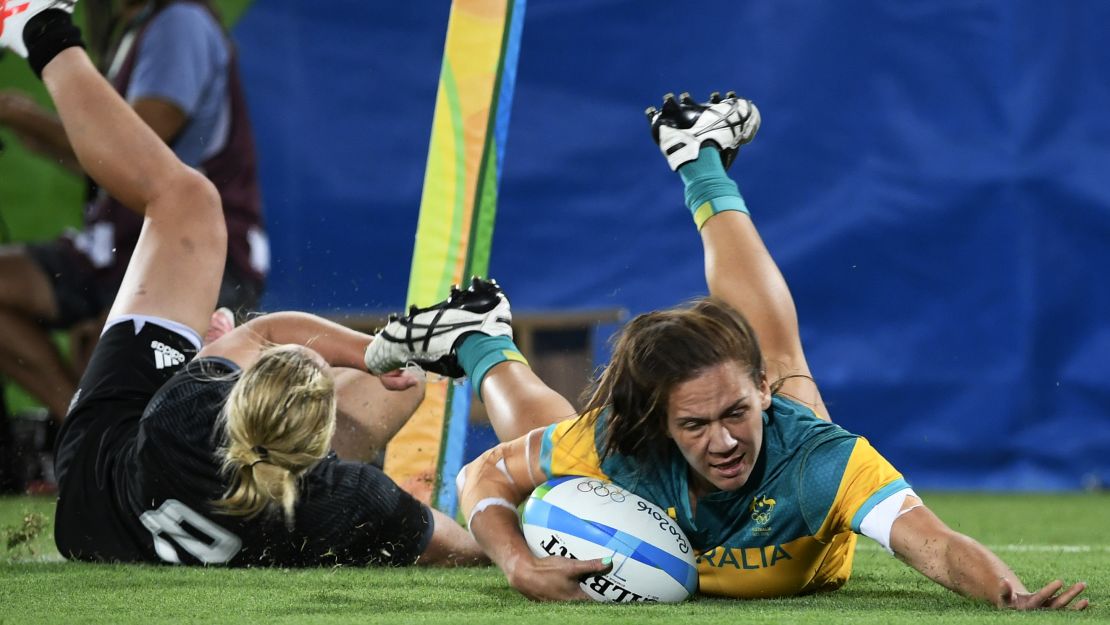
586	518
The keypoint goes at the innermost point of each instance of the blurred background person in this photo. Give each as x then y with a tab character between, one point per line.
176	66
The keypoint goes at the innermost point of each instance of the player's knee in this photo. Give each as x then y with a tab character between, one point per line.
191	205
205	199
469	474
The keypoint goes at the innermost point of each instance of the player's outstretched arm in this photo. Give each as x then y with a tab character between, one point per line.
490	489
451	545
961	564
340	346
370	409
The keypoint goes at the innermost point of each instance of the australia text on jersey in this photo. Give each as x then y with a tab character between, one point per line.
747	558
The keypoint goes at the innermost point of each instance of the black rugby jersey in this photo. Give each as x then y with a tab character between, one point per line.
347	513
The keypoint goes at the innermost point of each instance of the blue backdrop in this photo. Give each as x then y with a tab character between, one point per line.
931	177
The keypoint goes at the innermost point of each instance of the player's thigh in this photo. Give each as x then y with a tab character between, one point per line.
133	359
369	414
178	262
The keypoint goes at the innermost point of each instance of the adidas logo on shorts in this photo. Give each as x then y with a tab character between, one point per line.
166	356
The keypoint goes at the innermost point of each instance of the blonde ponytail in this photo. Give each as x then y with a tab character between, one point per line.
279	418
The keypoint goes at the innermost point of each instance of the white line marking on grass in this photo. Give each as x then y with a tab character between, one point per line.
38	559
1016	548
1050	548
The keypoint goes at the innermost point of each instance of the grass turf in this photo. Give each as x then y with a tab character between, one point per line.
1041	536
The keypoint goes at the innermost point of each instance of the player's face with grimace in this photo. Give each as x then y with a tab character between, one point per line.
716	421
689	380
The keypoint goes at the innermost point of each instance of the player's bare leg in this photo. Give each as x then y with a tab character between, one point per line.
518	401
178	262
760	293
700	141
369	415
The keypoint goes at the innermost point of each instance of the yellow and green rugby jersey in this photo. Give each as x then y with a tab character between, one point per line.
789	530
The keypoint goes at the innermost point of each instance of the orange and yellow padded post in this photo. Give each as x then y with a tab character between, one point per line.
455	227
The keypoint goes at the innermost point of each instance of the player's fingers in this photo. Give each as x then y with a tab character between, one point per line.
398	380
577	594
1044	595
568	588
600	566
1066	597
587	569
220	323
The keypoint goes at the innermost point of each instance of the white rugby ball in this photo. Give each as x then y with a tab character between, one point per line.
586	518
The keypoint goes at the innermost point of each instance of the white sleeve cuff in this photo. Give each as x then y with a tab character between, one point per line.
876	525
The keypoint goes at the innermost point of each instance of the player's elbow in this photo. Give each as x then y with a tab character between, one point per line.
468	483
484	478
208	205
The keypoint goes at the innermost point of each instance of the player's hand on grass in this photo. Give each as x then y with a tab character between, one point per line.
555	578
1045	598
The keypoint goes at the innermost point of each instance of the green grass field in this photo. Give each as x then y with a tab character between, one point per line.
1040	536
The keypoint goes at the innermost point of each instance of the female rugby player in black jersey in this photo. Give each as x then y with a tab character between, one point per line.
223	458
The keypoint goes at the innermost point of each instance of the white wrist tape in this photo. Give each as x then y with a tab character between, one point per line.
488	502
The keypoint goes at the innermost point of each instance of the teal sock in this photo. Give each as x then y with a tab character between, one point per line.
479	353
709	190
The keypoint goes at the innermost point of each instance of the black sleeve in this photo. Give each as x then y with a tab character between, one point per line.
401	525
367	518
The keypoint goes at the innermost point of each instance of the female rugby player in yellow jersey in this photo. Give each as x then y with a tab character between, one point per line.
709	411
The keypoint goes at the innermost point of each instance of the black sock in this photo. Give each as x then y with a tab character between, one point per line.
47	34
